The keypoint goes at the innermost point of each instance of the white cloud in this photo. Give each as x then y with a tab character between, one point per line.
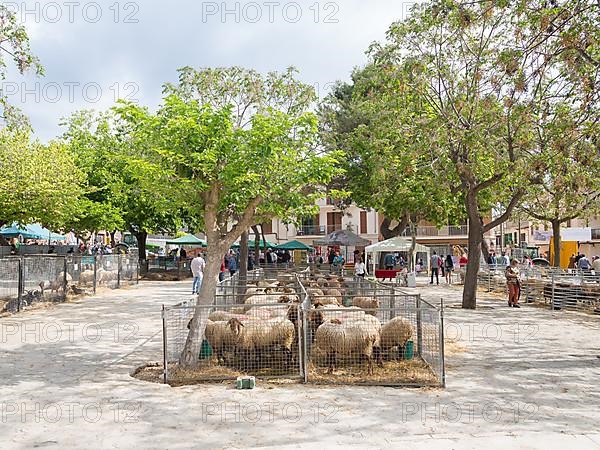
137	58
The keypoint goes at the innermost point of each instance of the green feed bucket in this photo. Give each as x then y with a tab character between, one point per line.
205	350
408	351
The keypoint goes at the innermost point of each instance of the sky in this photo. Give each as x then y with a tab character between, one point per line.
99	51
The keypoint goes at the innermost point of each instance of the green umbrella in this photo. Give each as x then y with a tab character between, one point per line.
295	245
16	231
189	240
251	244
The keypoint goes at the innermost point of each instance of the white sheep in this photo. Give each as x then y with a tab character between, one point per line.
86	277
353	339
369	303
335	293
395	333
223	336
326	300
255	338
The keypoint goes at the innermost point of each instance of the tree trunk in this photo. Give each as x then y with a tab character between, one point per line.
244	256
191	350
389	233
256	245
485	249
475	238
413	246
112	238
557	242
264	239
141	237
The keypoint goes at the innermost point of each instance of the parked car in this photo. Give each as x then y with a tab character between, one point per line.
541	262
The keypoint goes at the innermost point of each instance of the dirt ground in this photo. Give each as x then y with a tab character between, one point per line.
525	378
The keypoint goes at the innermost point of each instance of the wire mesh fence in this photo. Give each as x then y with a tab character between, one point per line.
27	280
310	328
563	289
260	341
10	288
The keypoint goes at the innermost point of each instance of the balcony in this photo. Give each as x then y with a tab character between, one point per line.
447	231
323	230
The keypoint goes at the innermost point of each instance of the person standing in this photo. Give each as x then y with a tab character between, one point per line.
232	264
338	263
513	283
330	259
360	269
435	263
182	255
198	264
222	270
389	262
584	264
449	268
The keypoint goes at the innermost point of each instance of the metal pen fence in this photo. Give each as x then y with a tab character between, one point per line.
25	280
563	289
280	327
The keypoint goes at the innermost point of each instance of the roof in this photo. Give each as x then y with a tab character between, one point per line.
397	244
343	238
295	245
251	244
31	232
189	240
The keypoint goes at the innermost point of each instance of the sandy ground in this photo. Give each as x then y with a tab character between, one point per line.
527	378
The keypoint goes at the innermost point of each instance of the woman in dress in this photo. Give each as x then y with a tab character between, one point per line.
514	284
449	266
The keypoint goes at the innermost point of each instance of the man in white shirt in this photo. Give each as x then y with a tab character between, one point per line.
198	264
435	263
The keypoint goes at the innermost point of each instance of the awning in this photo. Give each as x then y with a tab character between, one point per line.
46	233
188	240
31	232
295	245
342	238
397	244
251	244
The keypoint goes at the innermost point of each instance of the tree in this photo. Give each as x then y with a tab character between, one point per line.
387	167
14	43
478	67
569	142
127	188
38	183
237	170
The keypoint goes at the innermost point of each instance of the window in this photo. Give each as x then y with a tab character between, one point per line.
363	222
268	227
334	221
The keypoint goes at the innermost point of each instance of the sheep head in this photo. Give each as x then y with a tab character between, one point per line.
235	325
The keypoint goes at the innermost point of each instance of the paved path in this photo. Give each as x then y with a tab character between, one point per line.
516	378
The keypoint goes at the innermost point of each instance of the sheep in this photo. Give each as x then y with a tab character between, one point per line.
86	277
395	333
335	293
271	335
368	303
105	276
356	338
341	313
261	300
315	291
326	300
333	284
321	282
223	336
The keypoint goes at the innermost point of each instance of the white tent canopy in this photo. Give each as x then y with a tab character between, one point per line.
397	244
